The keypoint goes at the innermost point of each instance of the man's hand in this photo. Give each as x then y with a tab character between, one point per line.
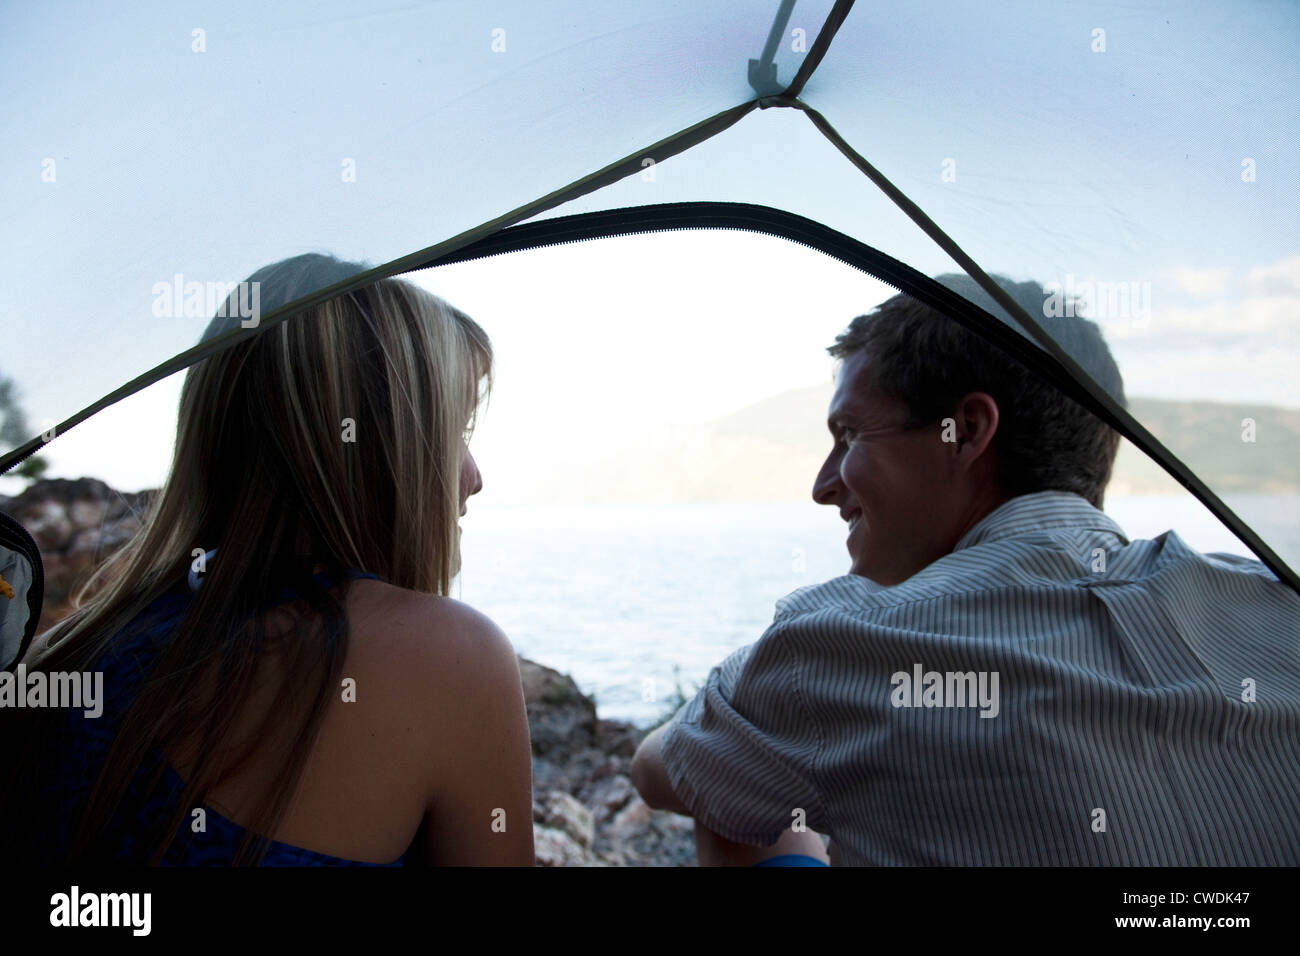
712	849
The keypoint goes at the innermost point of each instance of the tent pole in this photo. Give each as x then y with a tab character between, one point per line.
834	20
1116	415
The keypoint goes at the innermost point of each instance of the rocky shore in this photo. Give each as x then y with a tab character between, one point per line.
585	810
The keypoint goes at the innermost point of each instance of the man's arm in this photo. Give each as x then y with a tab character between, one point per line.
711	849
650	777
741	751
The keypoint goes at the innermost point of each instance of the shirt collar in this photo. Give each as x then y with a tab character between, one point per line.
1036	511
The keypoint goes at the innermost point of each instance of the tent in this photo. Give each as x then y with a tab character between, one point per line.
1142	157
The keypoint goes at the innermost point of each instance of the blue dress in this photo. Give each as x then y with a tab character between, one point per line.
125	665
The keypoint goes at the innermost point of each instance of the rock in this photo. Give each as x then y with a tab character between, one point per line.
48	524
645	837
84	513
618	738
556	848
634	817
76	524
560	811
560	717
608	795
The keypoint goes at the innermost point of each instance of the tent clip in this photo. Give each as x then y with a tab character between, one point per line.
762	72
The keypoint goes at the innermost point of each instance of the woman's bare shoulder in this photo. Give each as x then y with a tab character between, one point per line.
404	614
449	686
410	635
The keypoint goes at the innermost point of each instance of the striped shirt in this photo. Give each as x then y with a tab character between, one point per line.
1048	693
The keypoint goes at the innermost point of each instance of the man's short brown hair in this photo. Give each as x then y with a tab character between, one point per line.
1045	440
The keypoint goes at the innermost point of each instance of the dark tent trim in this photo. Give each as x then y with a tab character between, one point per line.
1051	362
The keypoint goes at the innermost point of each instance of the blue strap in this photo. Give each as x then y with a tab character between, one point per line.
791	859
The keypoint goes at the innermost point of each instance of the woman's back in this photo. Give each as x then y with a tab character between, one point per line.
426	737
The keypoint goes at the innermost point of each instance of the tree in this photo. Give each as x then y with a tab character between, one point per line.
13	431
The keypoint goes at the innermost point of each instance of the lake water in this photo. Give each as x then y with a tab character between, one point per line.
619	596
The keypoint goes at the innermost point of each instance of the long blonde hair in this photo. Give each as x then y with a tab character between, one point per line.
333	438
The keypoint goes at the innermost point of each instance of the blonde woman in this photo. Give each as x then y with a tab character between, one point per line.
286	679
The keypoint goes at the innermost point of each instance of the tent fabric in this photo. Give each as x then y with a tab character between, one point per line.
22	590
208	146
1144	158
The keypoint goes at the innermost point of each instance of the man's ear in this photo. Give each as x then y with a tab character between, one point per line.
976	420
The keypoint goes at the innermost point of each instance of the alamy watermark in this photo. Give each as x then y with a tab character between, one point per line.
1097	300
199	300
77	908
83	690
922	688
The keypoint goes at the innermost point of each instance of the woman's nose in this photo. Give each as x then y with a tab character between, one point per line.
476	482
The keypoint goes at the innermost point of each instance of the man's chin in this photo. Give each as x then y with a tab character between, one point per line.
875	575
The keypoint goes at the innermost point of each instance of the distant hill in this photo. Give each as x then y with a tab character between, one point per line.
772	450
1208	437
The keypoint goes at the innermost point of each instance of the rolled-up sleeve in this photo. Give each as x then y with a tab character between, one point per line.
741	755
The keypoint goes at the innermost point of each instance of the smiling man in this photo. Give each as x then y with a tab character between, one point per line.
1003	678
907	497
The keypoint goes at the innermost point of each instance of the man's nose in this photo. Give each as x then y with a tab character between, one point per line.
826	487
